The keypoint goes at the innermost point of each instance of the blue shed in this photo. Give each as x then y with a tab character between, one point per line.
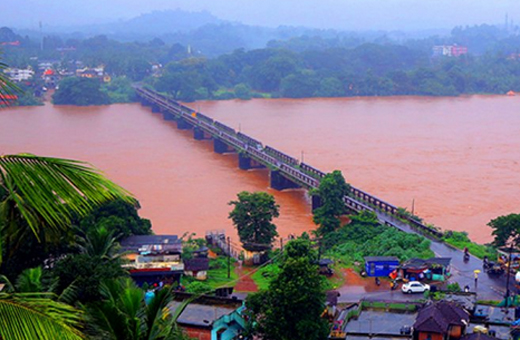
380	265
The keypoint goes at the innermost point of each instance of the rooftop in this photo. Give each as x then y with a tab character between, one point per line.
133	243
381	258
439	316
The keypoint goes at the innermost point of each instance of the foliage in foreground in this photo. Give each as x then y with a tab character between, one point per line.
38	316
123	313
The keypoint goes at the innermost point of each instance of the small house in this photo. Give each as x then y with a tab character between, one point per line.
197	268
380	266
442	320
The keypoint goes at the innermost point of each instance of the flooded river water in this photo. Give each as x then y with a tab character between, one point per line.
457	158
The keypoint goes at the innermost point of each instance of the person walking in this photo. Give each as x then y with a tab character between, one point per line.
476	278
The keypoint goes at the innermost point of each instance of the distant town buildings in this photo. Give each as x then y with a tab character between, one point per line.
94	73
449	50
19	75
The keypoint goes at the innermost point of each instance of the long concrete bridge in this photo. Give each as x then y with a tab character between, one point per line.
285	171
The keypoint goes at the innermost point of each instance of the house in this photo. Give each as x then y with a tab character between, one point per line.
93	73
378	266
449	50
441	320
153	259
211	318
197	268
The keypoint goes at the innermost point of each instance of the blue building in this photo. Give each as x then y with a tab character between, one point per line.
378	266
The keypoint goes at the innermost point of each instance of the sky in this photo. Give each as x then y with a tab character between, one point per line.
335	14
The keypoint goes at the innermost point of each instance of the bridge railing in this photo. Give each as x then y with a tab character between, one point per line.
311	170
249	140
281	156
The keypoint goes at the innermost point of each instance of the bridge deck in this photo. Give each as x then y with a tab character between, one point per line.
303	174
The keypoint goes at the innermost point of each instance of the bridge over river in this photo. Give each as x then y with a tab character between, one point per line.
287	172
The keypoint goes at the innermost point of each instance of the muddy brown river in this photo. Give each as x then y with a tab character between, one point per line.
456	158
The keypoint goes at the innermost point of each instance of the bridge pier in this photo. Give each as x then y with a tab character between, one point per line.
168	116
279	182
156	108
199	134
220	147
246	163
182	124
315	202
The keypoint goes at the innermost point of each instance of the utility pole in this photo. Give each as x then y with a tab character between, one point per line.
413	205
229	257
508	275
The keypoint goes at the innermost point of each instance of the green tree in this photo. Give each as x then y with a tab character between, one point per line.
330	87
124	315
80	91
331	191
291	308
252	215
119	216
506	230
98	260
242	91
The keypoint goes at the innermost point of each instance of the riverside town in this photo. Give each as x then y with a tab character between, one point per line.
239	170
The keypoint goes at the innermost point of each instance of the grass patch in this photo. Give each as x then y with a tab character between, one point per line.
461	240
264	275
217	277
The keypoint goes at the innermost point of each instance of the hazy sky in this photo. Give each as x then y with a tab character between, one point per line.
339	14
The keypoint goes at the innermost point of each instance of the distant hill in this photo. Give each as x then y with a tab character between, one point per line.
161	22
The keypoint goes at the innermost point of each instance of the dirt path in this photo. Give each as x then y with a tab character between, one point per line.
246	283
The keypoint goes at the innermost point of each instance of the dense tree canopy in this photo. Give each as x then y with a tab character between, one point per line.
252	215
80	91
331	191
506	230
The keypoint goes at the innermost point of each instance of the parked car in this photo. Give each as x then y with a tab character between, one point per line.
415	287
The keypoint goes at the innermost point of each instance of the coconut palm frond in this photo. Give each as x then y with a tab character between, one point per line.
24	316
54	190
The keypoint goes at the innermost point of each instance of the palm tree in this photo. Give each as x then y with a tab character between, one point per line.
47	193
37	316
124	315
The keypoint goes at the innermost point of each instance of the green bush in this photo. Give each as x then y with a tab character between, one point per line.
461	240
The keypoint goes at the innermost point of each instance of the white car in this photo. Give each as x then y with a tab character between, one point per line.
415	287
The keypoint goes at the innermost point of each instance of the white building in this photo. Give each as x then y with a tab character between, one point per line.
18	75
